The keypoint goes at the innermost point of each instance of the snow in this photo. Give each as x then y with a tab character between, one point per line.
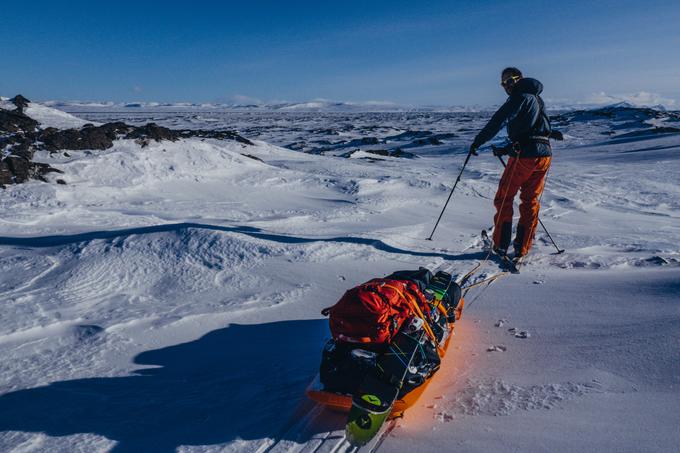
168	297
47	116
50	117
6	104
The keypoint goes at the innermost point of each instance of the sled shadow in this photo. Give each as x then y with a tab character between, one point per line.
240	382
57	240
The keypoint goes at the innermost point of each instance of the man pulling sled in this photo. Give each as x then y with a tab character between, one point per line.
530	155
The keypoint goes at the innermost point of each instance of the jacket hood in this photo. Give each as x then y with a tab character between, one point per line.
528	86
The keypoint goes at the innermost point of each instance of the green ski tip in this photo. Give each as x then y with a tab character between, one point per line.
362	426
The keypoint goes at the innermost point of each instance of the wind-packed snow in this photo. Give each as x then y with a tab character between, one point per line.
47	116
168	297
50	117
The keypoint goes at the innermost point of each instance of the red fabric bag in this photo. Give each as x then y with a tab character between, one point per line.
374	311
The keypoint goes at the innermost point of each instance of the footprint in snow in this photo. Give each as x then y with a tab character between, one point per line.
496	348
519	333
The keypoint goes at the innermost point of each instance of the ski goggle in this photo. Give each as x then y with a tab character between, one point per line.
510	81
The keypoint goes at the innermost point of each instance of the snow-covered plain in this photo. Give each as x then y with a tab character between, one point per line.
167	298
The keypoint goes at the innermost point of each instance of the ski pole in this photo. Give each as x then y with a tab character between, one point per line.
451	194
559	250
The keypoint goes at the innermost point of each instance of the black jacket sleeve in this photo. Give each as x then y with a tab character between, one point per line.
505	113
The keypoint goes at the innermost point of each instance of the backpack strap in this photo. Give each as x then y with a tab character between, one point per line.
531	135
542	114
416	308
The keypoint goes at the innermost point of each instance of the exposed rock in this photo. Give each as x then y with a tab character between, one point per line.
617	112
656	260
428	141
252	157
216	135
379	152
15	121
15	170
152	131
403	154
91	137
21	136
86	332
21	102
410	135
364	141
651	131
297	146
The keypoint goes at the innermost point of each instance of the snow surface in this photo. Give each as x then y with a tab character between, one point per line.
50	117
167	298
47	116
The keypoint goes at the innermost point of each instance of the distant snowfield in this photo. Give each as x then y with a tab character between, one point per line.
167	298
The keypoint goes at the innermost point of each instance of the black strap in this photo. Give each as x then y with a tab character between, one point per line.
541	113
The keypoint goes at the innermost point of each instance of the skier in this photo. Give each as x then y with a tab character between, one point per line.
530	156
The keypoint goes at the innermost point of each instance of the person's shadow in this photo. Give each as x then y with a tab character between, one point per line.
240	382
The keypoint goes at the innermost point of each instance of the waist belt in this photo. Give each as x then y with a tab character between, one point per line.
534	138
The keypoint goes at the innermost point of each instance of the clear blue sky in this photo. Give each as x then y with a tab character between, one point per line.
422	52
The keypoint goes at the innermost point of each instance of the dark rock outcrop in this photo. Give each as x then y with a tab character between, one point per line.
15	170
21	102
15	121
616	113
363	141
650	132
403	154
21	136
87	137
410	135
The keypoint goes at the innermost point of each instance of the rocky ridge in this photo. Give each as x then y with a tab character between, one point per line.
21	136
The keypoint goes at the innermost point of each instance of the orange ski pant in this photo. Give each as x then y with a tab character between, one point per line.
527	175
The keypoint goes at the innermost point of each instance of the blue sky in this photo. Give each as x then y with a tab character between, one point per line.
412	52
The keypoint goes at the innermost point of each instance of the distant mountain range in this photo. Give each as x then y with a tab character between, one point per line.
313	106
310	106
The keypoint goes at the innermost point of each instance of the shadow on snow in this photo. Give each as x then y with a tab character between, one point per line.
57	240
239	382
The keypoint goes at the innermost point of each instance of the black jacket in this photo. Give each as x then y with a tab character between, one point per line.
527	122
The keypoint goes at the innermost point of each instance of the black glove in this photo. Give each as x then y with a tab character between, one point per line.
556	135
500	151
474	147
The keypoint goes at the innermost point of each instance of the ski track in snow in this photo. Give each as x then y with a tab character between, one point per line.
138	299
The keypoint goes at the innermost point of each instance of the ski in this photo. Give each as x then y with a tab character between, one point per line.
508	264
487	244
505	262
518	261
372	403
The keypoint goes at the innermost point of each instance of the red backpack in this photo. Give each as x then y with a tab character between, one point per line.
374	311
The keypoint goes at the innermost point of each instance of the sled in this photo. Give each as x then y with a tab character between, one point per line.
343	402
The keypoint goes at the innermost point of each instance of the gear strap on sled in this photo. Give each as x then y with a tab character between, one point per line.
419	312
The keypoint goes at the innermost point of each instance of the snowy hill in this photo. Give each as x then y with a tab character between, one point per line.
167	297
